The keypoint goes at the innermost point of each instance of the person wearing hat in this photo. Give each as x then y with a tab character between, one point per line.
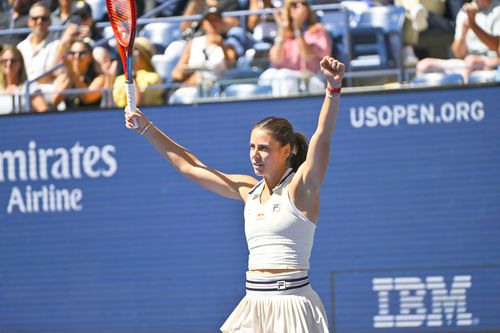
145	76
80	25
207	57
81	15
195	7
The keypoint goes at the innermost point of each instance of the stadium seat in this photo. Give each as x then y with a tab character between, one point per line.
161	34
337	25
378	34
235	74
437	79
184	95
355	8
99	11
247	90
164	65
108	33
483	76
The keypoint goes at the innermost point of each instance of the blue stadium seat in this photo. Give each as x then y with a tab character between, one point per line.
378	34
161	34
337	25
437	79
247	90
184	95
99	10
164	65
483	76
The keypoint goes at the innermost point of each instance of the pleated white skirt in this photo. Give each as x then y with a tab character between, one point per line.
281	311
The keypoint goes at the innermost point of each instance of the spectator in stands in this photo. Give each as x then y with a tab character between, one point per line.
145	76
416	21
39	49
206	57
301	41
81	15
13	15
263	27
108	67
81	25
471	46
195	7
13	75
80	73
62	14
299	46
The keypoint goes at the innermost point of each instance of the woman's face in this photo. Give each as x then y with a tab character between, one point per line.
266	154
11	65
80	57
299	11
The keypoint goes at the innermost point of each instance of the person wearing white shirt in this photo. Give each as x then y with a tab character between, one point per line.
39	48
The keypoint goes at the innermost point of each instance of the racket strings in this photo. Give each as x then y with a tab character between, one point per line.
120	15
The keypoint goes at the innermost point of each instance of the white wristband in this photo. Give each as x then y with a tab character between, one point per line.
146	128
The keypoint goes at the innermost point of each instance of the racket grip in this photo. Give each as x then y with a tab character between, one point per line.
131	99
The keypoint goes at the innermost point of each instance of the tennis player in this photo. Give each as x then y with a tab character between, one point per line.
281	211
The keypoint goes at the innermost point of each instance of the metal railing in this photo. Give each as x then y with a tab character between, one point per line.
146	19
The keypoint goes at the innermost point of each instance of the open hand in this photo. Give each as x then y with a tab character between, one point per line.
333	70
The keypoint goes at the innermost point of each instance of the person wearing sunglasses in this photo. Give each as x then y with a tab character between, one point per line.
39	48
80	73
300	44
12	78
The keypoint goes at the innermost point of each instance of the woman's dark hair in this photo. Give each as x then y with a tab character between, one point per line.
282	131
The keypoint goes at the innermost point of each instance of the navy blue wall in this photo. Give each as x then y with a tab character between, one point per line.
413	192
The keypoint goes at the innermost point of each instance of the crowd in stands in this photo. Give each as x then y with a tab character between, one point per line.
75	64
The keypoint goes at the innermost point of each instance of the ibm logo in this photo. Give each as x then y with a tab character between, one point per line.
447	306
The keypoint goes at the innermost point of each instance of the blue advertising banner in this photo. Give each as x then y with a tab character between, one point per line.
99	234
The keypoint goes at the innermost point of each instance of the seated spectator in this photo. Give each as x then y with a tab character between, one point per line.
13	76
416	21
79	73
206	57
81	25
39	48
300	44
62	14
144	77
108	67
81	16
195	7
13	15
263	27
477	24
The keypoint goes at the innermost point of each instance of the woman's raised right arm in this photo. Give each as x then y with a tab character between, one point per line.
187	164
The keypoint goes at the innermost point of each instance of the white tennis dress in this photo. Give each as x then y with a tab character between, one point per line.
279	236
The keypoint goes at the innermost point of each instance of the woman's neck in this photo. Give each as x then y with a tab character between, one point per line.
272	181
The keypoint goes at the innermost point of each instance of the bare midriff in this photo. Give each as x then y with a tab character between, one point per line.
274	270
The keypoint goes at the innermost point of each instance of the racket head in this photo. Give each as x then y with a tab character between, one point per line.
123	18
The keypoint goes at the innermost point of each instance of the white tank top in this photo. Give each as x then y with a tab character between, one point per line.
210	59
278	235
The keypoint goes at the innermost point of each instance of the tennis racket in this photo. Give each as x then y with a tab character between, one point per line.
123	18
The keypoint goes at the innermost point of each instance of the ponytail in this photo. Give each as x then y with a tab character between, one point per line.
299	151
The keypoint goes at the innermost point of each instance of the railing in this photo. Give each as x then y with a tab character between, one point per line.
146	19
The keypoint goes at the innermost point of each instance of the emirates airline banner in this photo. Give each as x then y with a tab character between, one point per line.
99	234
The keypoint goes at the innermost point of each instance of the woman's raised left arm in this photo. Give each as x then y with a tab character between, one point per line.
313	170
